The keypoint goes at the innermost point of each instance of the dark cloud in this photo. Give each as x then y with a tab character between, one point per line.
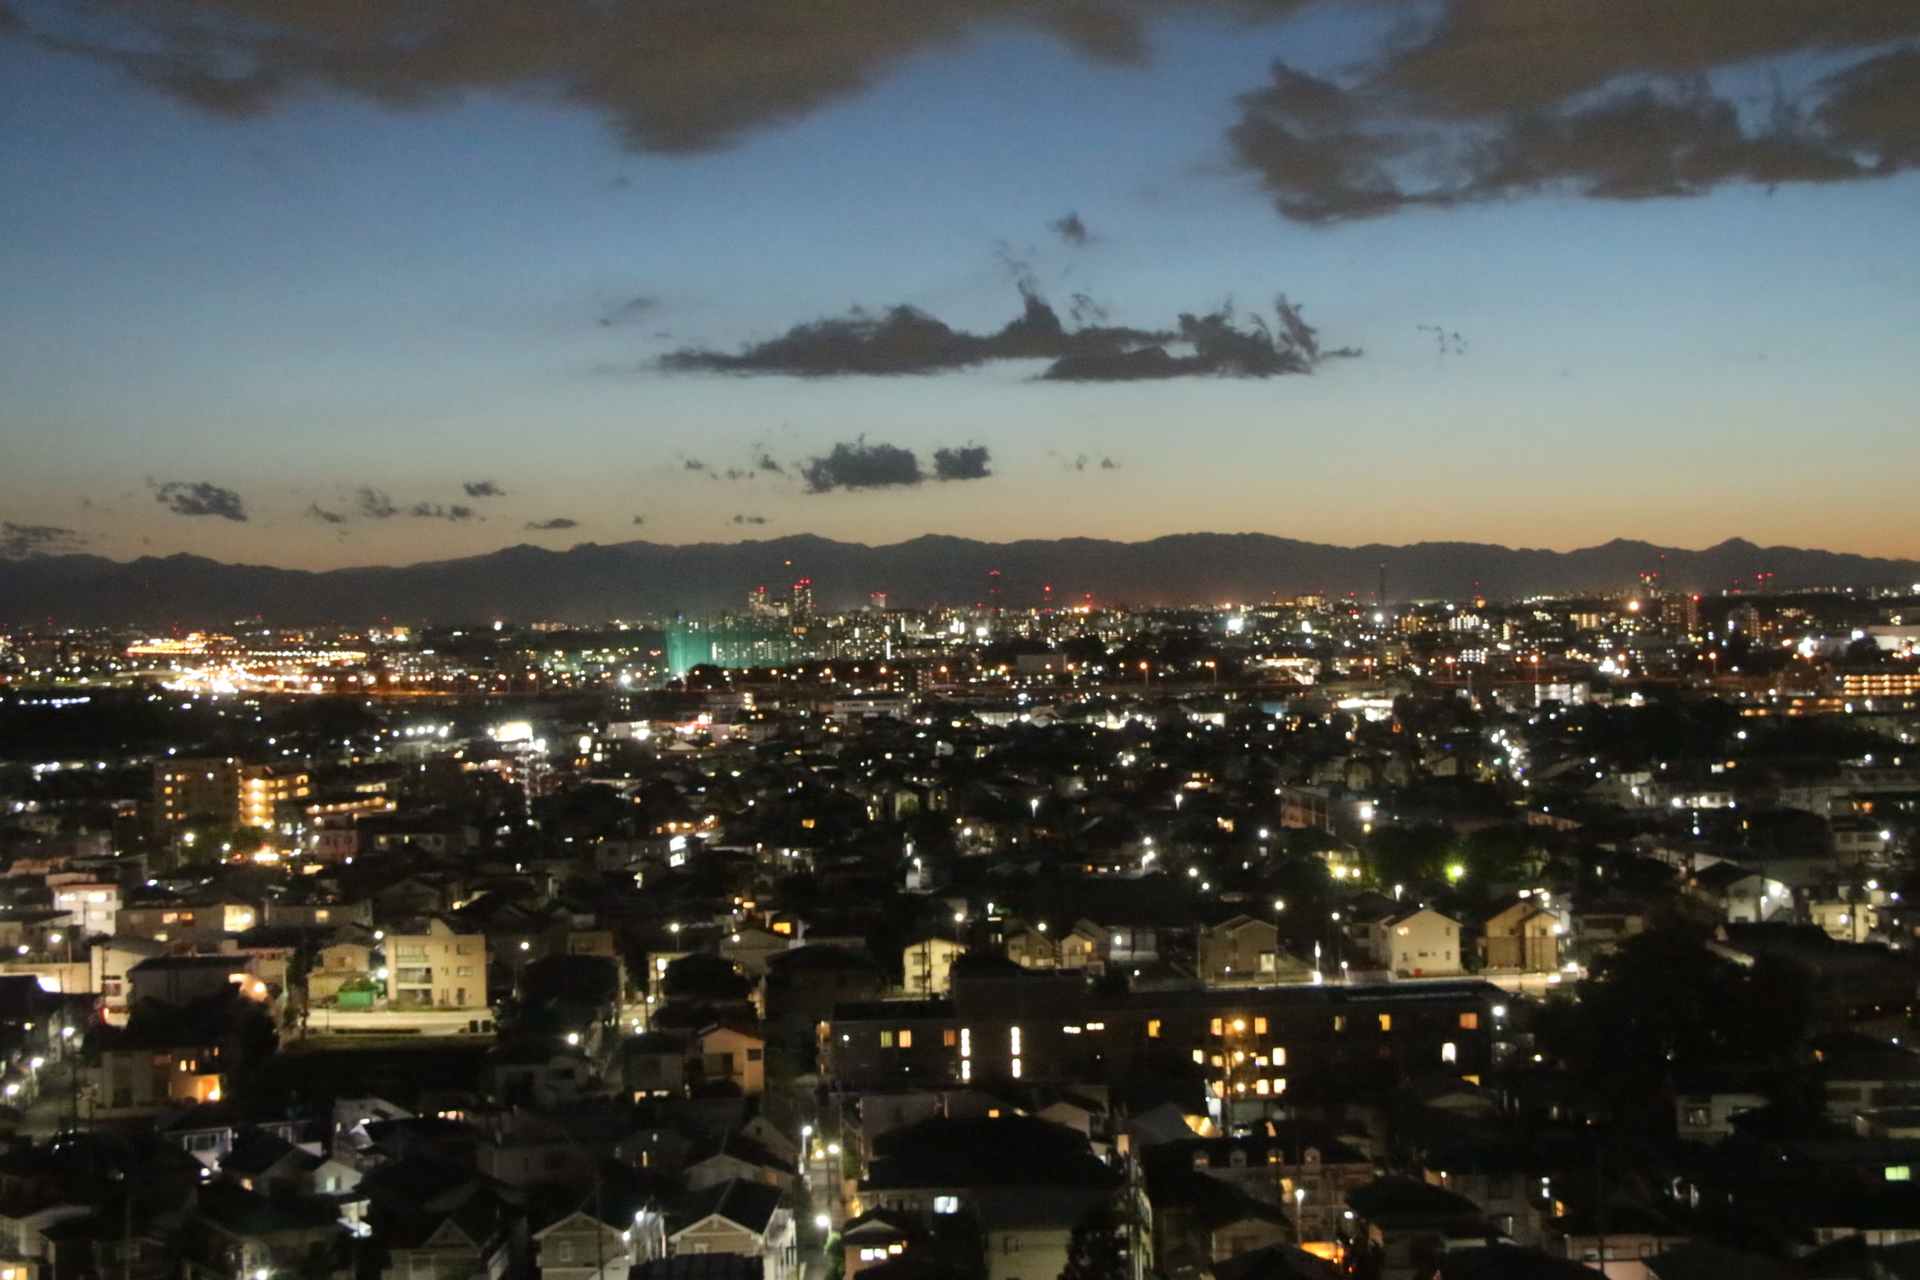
639	519
558	522
1212	345
859	465
694	464
482	489
1108	464
198	498
669	77
862	466
766	463
627	312
1071	229
1462	100
1085	310
317	512
968	462
374	504
749	519
23	541
434	511
905	340
1630	101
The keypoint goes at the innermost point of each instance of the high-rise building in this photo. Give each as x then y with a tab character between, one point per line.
209	788
221	789
264	788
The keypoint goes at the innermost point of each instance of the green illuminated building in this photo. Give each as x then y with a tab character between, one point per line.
730	641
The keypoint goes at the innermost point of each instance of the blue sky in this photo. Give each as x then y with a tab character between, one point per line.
337	295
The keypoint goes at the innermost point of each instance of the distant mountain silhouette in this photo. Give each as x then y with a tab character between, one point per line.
592	583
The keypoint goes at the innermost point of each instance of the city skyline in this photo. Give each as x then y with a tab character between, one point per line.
304	326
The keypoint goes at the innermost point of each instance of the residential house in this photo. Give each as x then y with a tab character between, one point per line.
1739	895
1618	1244
1405	1225
872	1239
1308	1170
1522	937
236	1234
92	905
583	1246
1415	942
179	980
654	1065
928	966
25	1220
534	1075
1199	1221
1245	952
750	947
804	984
192	923
136	1073
947	1164
733	1056
445	1246
347	959
318	915
439	969
737	1156
1027	1233
1706	1115
110	959
750	1219
1033	946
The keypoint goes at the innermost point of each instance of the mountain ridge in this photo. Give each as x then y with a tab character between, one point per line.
596	581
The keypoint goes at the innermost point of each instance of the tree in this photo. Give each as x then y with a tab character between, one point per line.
1663	1006
299	965
1409	855
1097	1249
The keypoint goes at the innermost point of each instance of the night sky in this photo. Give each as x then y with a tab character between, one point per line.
325	282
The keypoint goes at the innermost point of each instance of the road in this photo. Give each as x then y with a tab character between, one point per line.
52	1111
820	1170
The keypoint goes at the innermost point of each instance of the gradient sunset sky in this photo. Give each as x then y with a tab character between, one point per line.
397	288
